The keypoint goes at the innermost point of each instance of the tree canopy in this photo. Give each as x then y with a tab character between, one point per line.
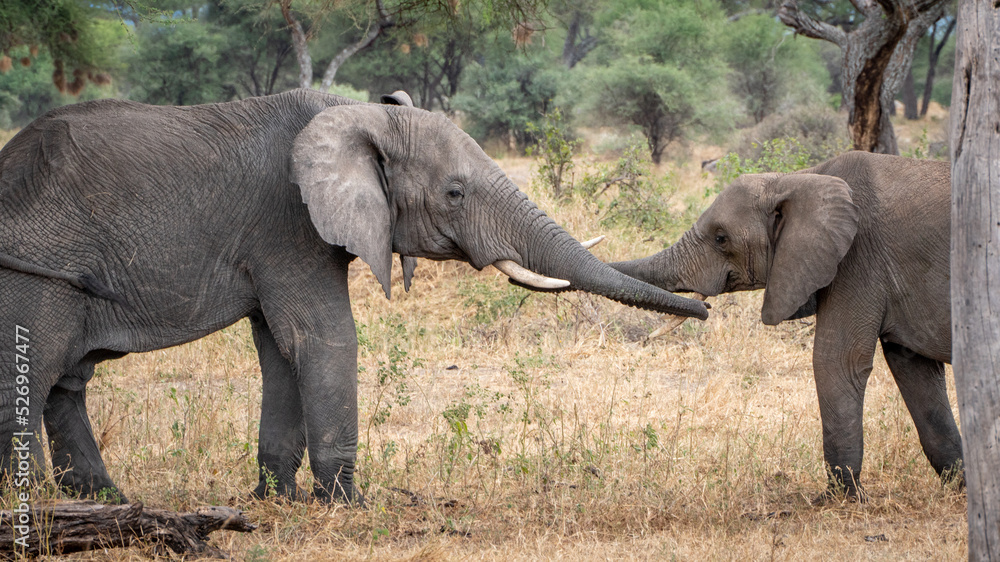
671	70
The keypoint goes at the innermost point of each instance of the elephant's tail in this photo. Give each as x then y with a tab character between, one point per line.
84	281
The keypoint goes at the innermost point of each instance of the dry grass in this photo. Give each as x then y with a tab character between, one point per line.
538	427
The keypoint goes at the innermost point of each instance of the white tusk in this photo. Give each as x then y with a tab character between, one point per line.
671	321
591	243
527	277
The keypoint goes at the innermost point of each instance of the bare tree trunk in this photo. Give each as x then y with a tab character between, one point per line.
877	57
934	53
975	264
911	108
578	43
384	22
299	41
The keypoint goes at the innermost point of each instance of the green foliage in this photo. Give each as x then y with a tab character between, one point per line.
781	155
28	92
180	63
505	90
258	49
659	69
554	150
68	30
392	366
819	130
627	194
769	67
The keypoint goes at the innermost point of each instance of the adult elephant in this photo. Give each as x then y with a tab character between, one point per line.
126	228
862	241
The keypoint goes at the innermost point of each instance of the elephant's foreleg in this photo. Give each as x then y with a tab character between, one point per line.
308	312
282	426
76	459
921	381
842	362
329	380
325	365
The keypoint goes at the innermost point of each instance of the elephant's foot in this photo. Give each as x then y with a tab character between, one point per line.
837	493
954	477
342	491
272	490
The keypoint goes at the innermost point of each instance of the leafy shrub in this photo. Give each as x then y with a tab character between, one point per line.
771	71
778	155
505	90
818	131
555	151
658	67
626	193
782	155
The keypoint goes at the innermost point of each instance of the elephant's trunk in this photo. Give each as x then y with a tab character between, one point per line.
654	270
663	269
548	250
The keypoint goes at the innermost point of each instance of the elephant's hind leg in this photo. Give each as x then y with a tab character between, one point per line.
282	426
921	381
76	460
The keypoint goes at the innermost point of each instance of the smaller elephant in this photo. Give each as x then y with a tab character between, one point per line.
861	241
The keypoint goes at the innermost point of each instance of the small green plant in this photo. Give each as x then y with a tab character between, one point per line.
627	193
490	304
782	155
923	150
554	150
271	482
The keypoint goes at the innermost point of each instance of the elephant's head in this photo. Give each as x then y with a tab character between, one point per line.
785	233
381	179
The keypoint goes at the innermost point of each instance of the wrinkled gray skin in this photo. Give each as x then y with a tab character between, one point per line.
862	241
128	228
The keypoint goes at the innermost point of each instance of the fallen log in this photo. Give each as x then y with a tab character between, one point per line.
62	527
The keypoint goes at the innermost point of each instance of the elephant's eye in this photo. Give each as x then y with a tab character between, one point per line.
720	239
455	192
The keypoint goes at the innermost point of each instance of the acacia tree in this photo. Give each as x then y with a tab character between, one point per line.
975	265
937	38
876	59
371	19
658	67
64	28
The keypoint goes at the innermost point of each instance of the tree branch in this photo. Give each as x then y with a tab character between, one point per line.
385	21
300	44
63	527
790	15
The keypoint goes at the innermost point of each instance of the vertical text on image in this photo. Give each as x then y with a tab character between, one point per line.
22	439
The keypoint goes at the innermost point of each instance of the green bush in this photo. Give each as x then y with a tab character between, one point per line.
770	70
505	90
626	193
554	150
782	155
818	131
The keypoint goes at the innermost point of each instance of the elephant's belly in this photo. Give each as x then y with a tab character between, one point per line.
929	335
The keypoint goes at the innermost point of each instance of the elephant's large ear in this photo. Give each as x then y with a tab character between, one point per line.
339	169
399	97
409	263
812	226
